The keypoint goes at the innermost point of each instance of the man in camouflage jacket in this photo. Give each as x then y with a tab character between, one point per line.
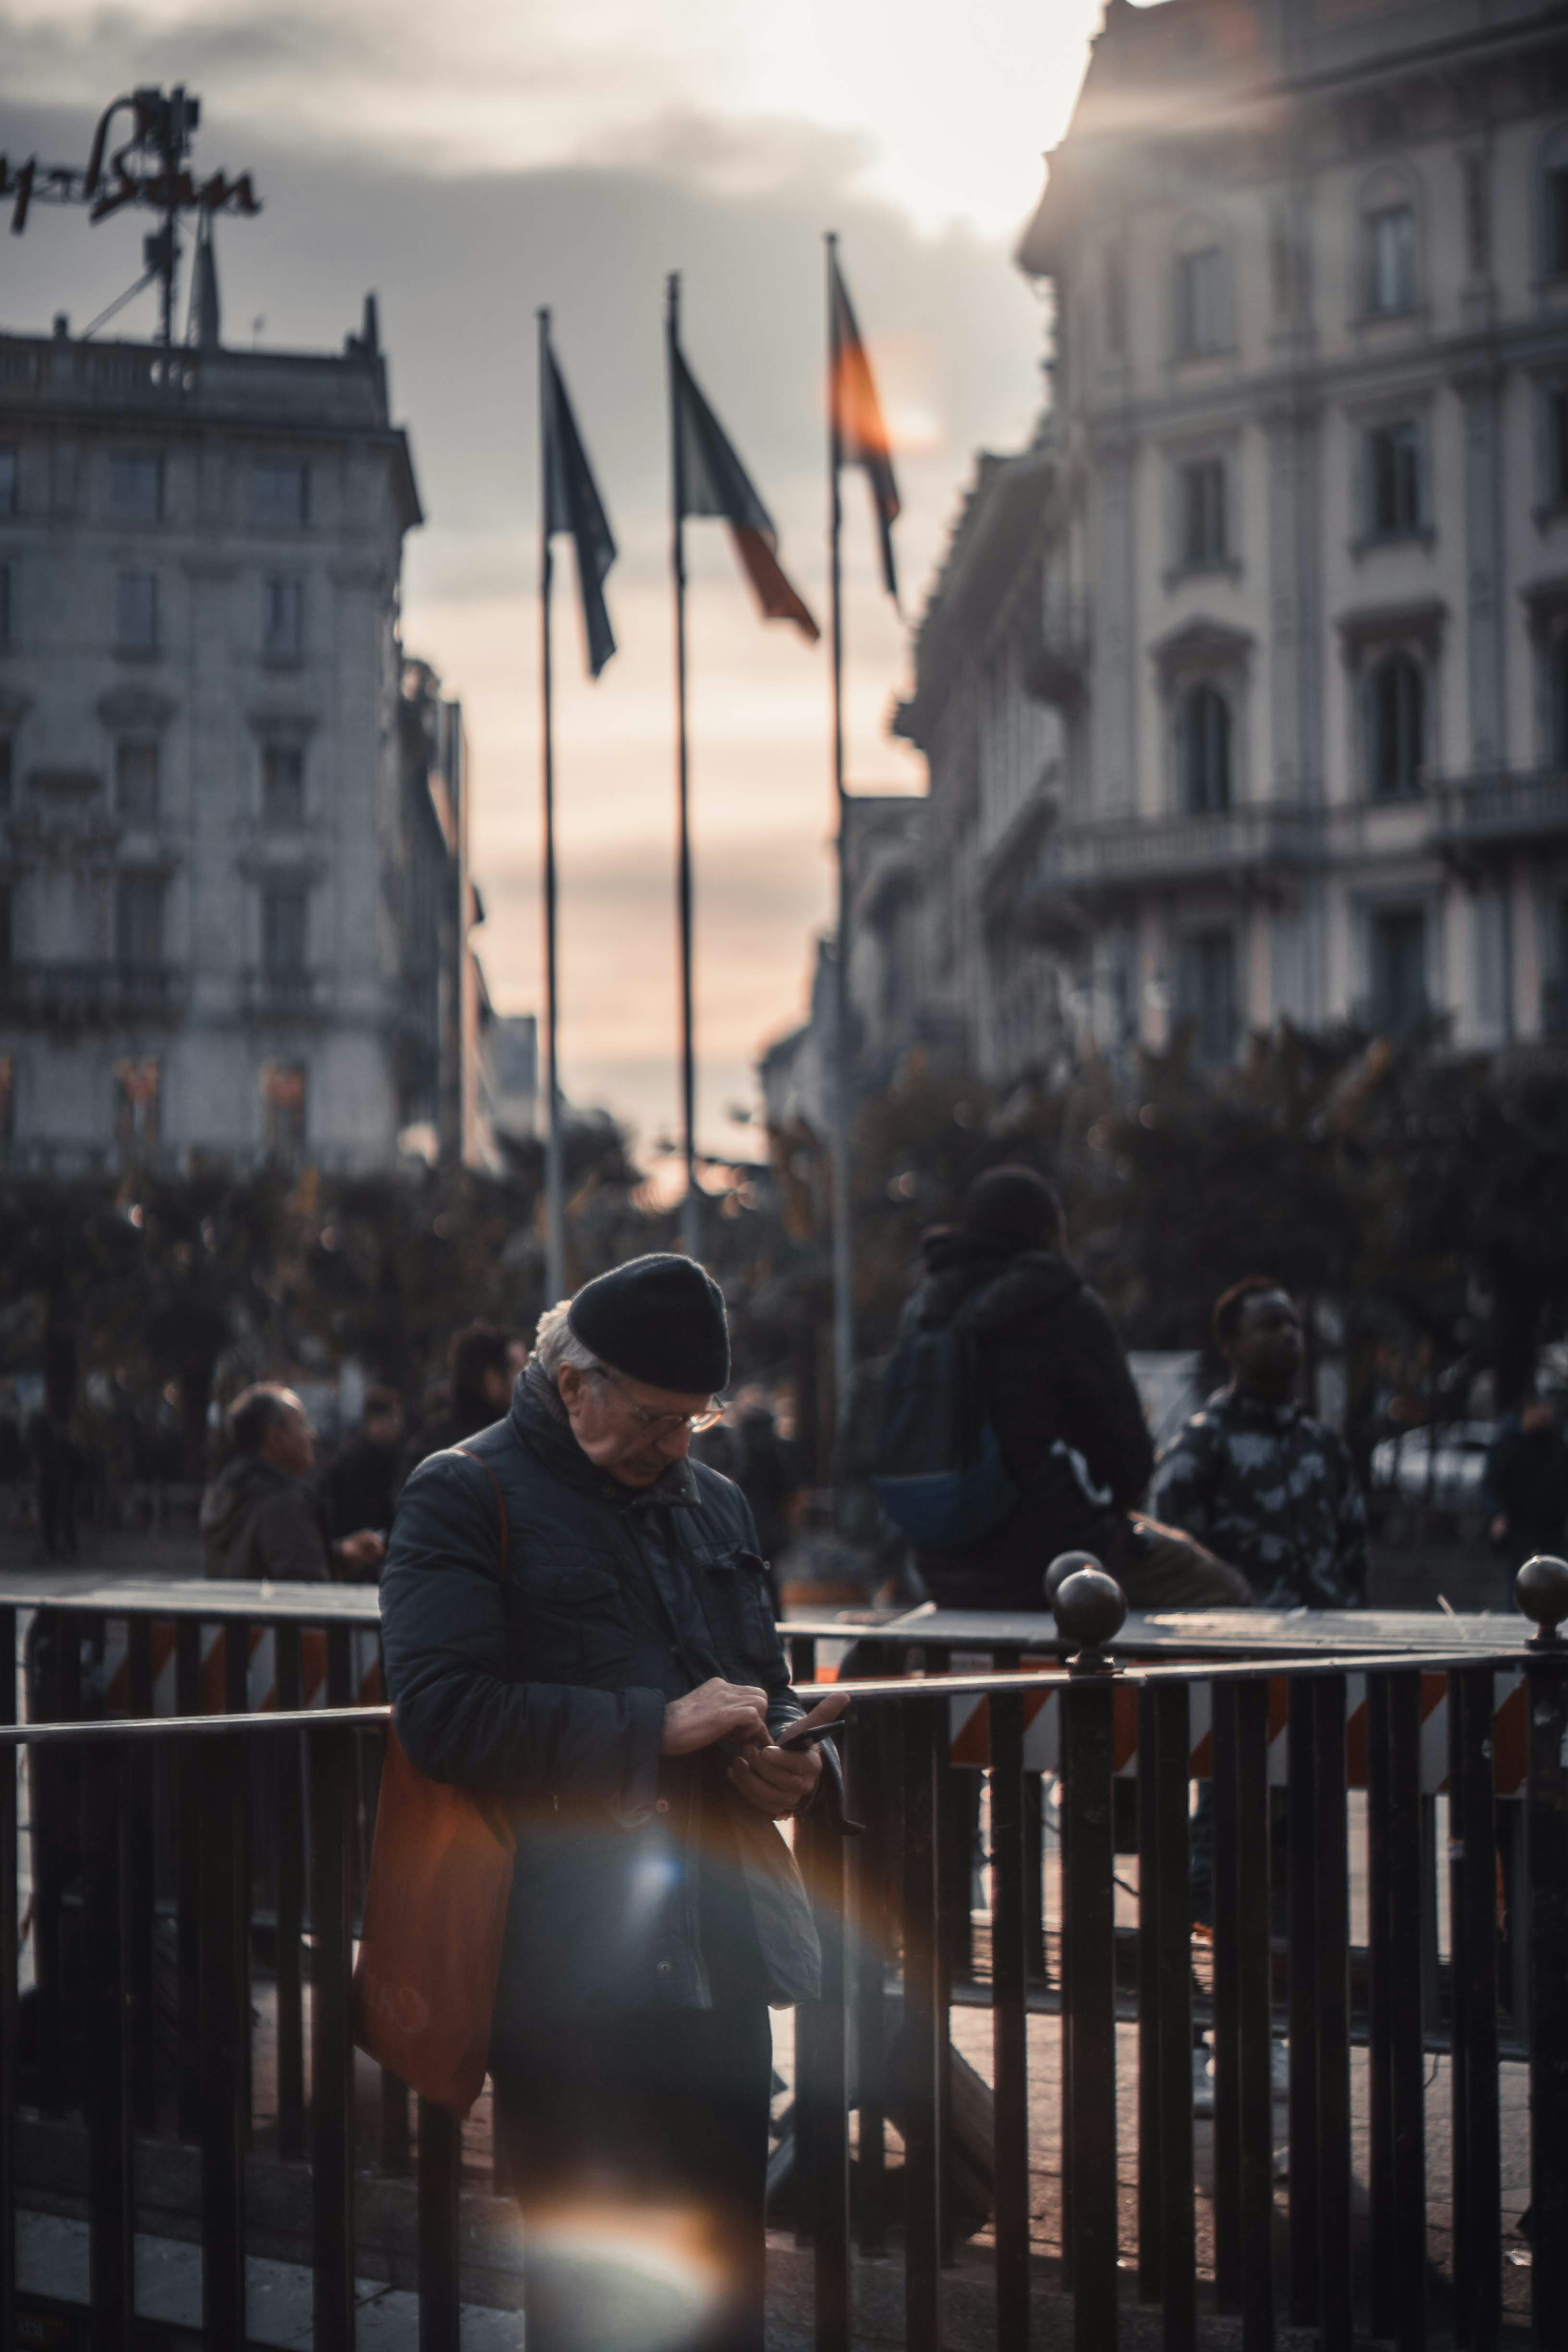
1256	1478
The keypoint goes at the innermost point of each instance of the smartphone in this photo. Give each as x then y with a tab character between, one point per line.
807	1734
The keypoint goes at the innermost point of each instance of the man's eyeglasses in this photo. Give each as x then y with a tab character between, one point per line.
661	1424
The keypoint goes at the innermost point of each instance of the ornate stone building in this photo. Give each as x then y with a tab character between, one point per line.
221	840
1245	692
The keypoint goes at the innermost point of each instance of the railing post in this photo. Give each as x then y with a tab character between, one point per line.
1228	2239
140	1762
332	2051
1301	1896
8	1975
1331	1970
925	1740
1406	1969
830	2133
1254	2019
1173	1863
225	2033
869	1862
1148	2188
186	1777
1009	2021
1091	1971
1477	2167
288	1793
440	2175
1382	1995
1546	1684
107	2088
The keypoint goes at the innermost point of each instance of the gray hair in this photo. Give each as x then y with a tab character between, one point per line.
555	1343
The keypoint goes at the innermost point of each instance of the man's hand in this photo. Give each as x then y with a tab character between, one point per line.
778	1780
361	1553
715	1710
1499	1527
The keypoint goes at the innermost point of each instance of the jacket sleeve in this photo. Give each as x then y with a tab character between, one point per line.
1102	1414
1183	1492
286	1542
460	1716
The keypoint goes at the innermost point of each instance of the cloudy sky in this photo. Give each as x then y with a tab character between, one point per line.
473	162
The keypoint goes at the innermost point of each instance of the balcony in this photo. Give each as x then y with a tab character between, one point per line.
1137	853
79	995
282	993
1057	671
1497	811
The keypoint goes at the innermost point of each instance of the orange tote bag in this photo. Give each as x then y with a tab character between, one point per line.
435	1920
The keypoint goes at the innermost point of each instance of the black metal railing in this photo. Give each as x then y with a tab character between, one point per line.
178	1863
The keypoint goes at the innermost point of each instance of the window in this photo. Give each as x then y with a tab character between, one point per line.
1557	445
8	1101
1557	699
283	1109
283	787
6	636
1204	721
8	481
1202	324
135	488
139	922
1555	196
1206	995
136	612
1398	969
8	771
1394	480
5	928
1554	978
136	783
283	618
283	916
1396	726
1202	516
282	495
136	1108
1391	260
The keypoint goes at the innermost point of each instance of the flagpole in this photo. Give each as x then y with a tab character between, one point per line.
691	1235
843	1252
555	1204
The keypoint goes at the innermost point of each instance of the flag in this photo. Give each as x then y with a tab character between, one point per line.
711	481
572	503
860	433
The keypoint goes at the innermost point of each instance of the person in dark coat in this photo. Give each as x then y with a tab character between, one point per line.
260	1519
1526	1484
359	1486
574	1616
479	1361
1065	1409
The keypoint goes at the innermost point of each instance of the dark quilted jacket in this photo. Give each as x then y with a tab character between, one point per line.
548	1682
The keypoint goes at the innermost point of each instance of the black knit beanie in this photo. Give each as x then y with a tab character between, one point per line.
658	1318
1014	1205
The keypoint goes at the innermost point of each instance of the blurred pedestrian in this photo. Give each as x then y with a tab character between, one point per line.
55	1465
1526	1484
1063	1405
480	1363
260	1519
574	1619
360	1484
1255	1476
746	1446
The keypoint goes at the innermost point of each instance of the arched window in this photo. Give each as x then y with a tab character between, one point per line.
1396	728
1205	724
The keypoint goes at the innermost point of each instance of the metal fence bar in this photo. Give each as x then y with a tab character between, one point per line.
1301	1896
830	2126
139	1766
1254	2019
1010	2022
1381	1999
1090	1931
869	1862
440	2178
331	2049
1170	1795
8	1983
1331	1971
1546	1684
288	1795
224	2041
107	2089
1407	1969
1473	1968
925	1741
1227	2244
187	1778
808	2030
1148	2008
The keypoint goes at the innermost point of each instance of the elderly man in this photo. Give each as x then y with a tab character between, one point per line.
575	1616
259	1519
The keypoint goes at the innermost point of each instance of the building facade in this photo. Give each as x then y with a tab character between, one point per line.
213	856
1245	692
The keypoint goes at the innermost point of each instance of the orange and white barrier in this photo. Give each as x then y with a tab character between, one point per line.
262	1668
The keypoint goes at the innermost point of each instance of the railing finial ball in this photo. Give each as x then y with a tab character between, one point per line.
1066	1564
1540	1589
1090	1609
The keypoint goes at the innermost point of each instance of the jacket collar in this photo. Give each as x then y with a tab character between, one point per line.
539	1420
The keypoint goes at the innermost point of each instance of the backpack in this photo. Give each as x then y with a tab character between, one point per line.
938	1470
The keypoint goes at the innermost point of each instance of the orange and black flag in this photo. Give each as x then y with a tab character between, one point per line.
859	430
709	479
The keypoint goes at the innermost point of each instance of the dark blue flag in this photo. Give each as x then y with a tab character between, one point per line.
573	504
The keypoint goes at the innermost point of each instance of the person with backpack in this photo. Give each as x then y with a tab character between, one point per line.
1012	1429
